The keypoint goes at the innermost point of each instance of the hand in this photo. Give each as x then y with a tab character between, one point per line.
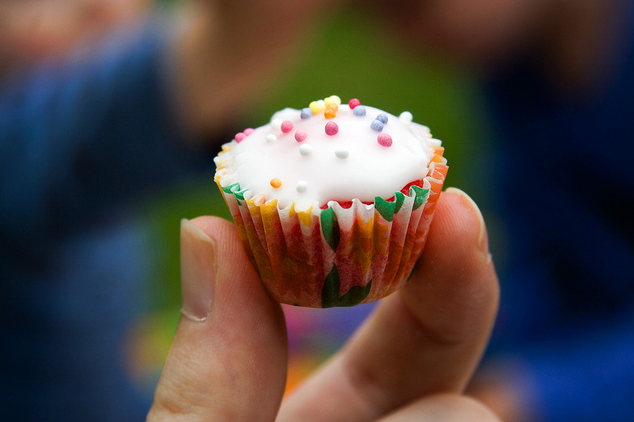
410	360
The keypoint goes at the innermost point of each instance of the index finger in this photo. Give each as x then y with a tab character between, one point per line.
426	339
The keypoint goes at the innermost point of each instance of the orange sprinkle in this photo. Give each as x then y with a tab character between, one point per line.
331	110
276	183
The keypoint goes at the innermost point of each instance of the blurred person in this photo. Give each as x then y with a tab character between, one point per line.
559	82
32	30
101	103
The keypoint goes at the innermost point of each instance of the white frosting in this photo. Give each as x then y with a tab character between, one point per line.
350	164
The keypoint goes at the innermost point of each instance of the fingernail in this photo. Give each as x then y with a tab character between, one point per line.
483	237
198	271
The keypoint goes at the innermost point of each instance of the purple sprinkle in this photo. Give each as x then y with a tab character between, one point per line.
306	113
359	110
382	118
376	125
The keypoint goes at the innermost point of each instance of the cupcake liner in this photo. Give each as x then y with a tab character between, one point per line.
336	256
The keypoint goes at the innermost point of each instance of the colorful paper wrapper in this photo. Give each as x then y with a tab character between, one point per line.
337	256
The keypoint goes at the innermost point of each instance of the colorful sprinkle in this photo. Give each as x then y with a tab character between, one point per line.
276	124
276	183
300	135
305	149
331	111
332	128
306	113
359	110
377	125
384	139
342	153
406	116
333	99
286	126
382	118
248	131
317	106
301	186
240	137
354	103
270	138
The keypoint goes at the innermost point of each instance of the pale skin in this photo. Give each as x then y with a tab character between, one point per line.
411	360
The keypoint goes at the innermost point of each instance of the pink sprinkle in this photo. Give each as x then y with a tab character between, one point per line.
300	135
240	137
353	103
384	140
331	128
287	126
248	131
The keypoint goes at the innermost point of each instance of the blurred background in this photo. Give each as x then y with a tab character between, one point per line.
99	162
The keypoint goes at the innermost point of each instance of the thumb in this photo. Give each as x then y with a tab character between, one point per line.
229	356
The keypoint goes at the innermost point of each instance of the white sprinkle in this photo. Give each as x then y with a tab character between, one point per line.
270	138
302	186
436	142
342	153
276	124
406	116
305	149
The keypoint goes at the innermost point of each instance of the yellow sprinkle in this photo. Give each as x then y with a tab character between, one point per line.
333	99
317	107
276	183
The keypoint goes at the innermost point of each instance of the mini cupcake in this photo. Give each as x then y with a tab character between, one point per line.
333	202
